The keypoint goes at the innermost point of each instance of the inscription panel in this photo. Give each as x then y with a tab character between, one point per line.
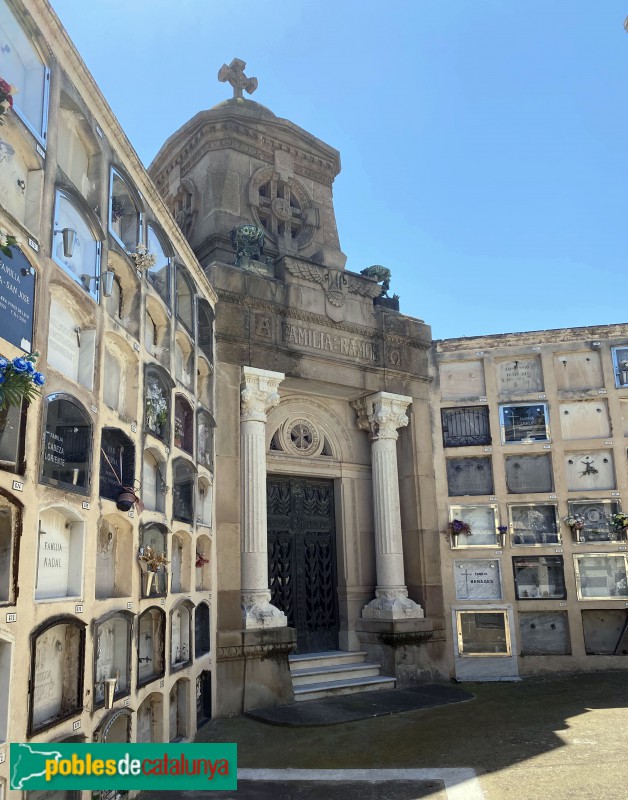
529	473
462	379
477	579
337	344
469	476
17	294
519	376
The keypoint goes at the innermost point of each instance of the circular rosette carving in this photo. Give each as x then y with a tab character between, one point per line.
282	207
300	437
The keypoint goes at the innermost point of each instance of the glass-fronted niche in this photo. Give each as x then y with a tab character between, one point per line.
464	427
124	212
67	445
539	577
483	523
524	423
75	246
12	428
23	68
601	576
534	524
595	520
620	363
483	633
158	275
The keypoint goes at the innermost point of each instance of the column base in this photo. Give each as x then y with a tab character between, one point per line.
392	605
401	647
258	612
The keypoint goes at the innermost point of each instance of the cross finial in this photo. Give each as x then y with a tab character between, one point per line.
234	74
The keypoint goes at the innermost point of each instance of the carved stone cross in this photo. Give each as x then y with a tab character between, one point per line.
234	74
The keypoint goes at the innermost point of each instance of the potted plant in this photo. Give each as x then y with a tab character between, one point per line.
456	528
7	241
619	523
502	530
19	380
151	562
576	523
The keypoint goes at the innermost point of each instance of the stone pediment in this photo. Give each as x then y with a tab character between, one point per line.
336	283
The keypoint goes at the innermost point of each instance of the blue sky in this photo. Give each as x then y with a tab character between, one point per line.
484	143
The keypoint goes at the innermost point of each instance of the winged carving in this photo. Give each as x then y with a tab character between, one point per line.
308	272
365	287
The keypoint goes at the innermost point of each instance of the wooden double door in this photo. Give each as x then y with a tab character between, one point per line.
302	559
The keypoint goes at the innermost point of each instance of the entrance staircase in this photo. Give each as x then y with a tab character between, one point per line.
334	673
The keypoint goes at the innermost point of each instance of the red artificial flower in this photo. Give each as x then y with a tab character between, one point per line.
5	88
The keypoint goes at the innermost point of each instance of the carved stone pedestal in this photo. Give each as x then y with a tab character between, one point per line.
399	646
252	669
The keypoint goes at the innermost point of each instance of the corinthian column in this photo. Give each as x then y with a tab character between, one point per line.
257	396
381	414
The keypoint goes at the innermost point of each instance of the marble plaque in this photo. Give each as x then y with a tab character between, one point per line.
462	379
53	562
17	295
519	376
585	420
590	470
524	423
477	579
579	370
469	476
63	341
529	473
544	633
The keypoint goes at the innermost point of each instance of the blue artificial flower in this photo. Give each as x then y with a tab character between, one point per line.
2	378
38	379
3	364
20	364
30	367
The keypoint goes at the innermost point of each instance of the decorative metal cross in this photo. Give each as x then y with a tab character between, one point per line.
234	74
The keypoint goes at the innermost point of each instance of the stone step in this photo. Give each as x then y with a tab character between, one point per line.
325	659
334	672
317	691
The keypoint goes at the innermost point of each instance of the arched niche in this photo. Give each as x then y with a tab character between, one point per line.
181	635
178	716
12	432
21	179
61	536
202	630
183	483
67	444
183	424
117	463
204	501
10	532
159	275
120	377
183	359
124	304
6	655
185	205
154	480
79	253
180	559
114	557
115	727
204	381
155	536
150	719
112	654
203	561
151	642
56	672
205	425
156	334
157	402
205	333
185	292
77	147
125	210
71	336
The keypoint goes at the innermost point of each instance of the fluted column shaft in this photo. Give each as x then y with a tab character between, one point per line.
381	414
258	395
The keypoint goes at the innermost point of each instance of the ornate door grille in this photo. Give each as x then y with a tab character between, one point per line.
302	559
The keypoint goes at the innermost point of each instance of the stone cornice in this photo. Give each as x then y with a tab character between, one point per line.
65	53
318	319
526	338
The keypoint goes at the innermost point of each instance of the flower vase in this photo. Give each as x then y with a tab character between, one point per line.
148	578
501	538
454	540
575	532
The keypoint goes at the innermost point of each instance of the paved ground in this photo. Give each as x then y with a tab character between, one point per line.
558	738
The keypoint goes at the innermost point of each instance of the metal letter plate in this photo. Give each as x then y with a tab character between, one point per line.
33	245
85	505
129	605
78	609
76	725
18	486
12	617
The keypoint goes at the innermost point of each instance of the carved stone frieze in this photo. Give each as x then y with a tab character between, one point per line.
255	650
396	639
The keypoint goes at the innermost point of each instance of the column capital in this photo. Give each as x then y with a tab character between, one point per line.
258	393
382	413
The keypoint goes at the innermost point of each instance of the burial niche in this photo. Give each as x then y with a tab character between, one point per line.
158	275
60	555
151	645
539	577
117	464
544	633
178	712
529	473
183	424
114	557
464	427
10	530
181	635
124	212
112	637
66	459
184	480
202	630
469	476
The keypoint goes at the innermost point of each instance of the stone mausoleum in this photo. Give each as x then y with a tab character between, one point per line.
249	478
